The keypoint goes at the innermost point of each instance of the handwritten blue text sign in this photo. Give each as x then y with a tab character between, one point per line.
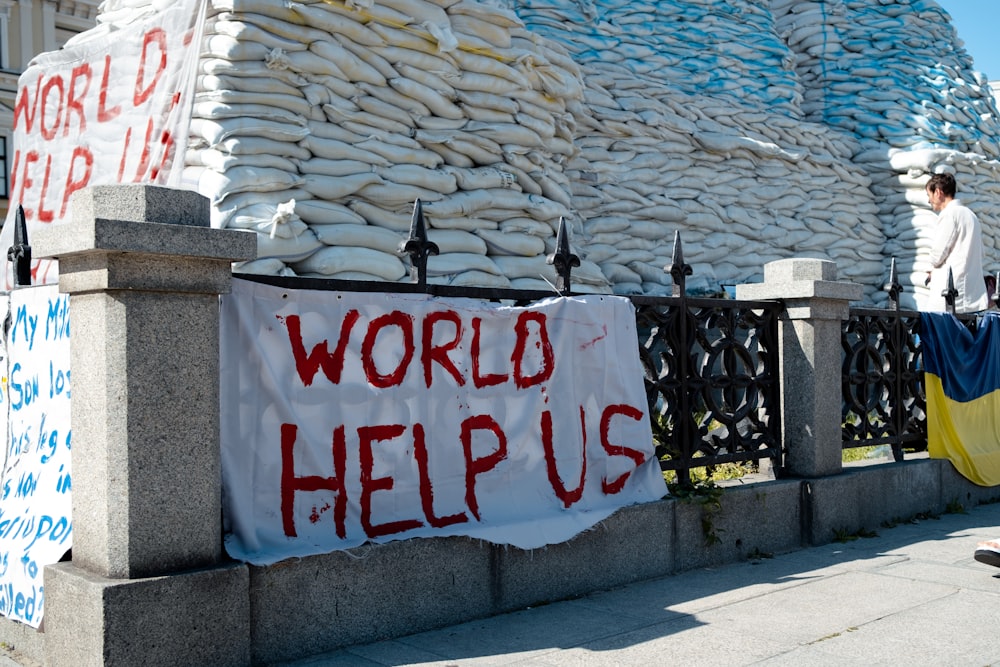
35	509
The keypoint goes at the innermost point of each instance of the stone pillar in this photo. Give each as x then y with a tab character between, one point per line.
810	353
148	583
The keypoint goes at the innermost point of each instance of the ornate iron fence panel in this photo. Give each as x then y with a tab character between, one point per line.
712	380
882	381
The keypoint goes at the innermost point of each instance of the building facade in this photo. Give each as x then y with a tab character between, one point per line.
27	28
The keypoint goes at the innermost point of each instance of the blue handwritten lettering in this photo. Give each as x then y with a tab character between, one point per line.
58	381
57	531
24	607
28	324
57	320
30	567
20	443
26	392
64	483
26	486
47	441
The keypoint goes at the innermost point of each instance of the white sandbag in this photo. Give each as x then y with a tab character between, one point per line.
234	103
352	66
363	236
378	114
469	24
466	223
395	195
481	177
471	278
246	84
220	161
270	9
337	187
491	12
439	180
333	149
619	274
239	200
440	65
326	17
428	97
288	250
217	111
288	28
398	220
231	25
214	132
456	240
527	226
338	86
471	81
321	212
269	266
304	62
372	59
525	267
395	154
275	220
457	262
430	79
220	67
327	167
331	260
512	243
487	100
217	186
232	49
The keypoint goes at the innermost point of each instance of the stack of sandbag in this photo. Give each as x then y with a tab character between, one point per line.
706	138
318	125
761	129
895	76
894	73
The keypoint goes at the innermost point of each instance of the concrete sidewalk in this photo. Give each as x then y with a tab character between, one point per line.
911	595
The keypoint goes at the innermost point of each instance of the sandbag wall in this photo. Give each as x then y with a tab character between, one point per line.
318	125
761	129
895	76
692	121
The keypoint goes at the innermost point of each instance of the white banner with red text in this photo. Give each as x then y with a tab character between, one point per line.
366	417
113	108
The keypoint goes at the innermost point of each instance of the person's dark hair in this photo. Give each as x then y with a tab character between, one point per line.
945	183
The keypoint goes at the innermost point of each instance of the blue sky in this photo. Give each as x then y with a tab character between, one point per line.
978	25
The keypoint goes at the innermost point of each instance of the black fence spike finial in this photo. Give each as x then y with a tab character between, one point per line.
677	269
563	259
20	253
893	287
950	294
417	246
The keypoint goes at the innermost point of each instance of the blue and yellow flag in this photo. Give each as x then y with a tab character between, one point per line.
962	380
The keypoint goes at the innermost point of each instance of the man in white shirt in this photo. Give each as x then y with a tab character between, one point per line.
958	245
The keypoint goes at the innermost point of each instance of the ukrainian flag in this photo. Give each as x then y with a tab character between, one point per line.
962	381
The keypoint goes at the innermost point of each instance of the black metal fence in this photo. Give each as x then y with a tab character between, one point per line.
711	365
882	381
882	376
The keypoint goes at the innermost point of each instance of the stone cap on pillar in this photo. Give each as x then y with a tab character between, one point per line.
142	237
803	282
